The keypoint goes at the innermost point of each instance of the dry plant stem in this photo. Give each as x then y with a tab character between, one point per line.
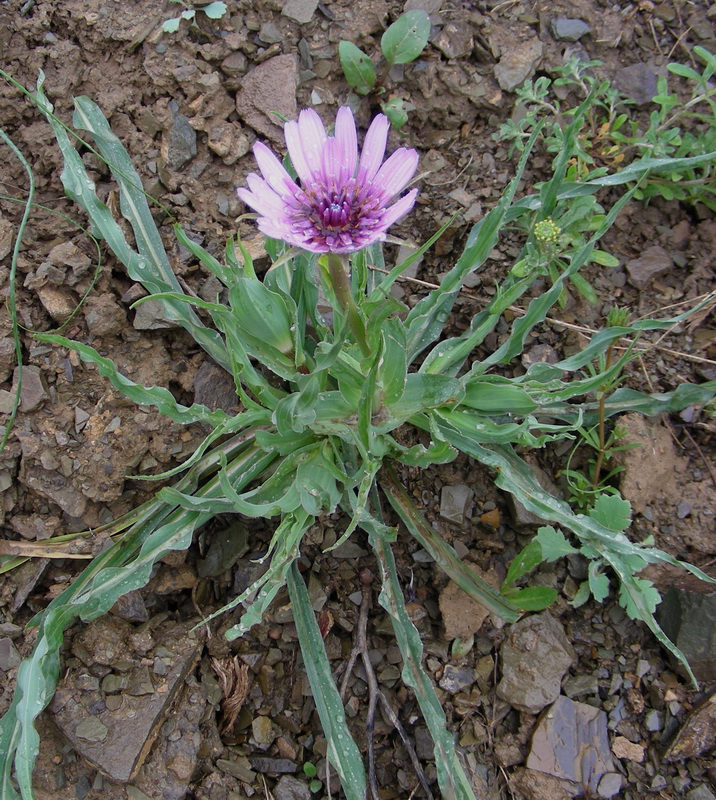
360	647
393	717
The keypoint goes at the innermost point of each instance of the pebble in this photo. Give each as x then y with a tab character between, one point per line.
226	548
462	616
689	620
273	765
239	769
534	657
517	64
301	11
653	262
454	40
270	33
263	731
683	510
269	88
637	82
180	142
623	748
454	503
698	733
215	389
455	679
92	729
58	302
580	685
610	784
701	793
9	657
568	30
104	316
289	788
33	393
653	721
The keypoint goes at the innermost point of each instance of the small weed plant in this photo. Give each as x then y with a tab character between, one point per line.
215	10
324	399
401	43
613	134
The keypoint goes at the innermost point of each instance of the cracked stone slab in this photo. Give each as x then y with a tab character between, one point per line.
116	731
571	742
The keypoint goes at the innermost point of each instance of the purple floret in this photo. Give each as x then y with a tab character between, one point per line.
342	203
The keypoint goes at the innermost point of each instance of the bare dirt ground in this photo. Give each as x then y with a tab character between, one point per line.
188	108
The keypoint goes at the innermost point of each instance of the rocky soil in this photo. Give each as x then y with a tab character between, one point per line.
566	703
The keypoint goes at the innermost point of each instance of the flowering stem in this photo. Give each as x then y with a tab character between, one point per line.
338	269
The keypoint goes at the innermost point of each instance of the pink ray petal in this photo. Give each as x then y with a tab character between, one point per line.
374	147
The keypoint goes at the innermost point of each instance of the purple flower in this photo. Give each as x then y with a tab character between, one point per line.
342	204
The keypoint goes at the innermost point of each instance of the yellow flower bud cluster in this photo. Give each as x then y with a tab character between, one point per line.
547	231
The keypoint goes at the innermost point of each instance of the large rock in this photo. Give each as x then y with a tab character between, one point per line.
689	620
571	742
517	64
267	90
115	726
534	657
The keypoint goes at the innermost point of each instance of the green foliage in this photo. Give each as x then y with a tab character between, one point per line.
613	133
406	38
214	10
322	411
358	68
401	43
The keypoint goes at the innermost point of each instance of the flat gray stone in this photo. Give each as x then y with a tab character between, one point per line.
455	679
215	388
33	392
689	620
610	784
571	742
9	657
270	33
301	11
568	30
454	503
701	793
534	657
653	262
637	82
517	64
118	738
180	142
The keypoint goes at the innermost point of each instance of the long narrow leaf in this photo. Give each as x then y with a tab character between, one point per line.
155	275
343	752
454	784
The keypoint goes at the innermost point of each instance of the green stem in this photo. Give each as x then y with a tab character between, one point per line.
338	269
602	437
